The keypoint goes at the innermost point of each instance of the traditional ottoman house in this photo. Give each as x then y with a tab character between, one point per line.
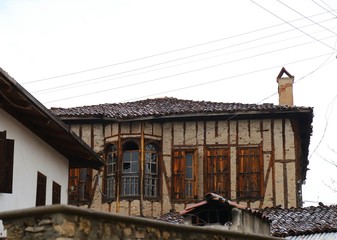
165	153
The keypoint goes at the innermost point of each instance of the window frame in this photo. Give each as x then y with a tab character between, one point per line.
148	179
80	186
245	175
132	178
6	163
110	178
153	176
56	196
179	180
218	170
41	189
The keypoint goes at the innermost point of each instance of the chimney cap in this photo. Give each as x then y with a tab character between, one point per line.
282	72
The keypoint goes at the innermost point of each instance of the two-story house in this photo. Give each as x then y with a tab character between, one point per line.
36	151
165	153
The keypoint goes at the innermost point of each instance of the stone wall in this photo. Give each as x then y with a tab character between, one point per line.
66	222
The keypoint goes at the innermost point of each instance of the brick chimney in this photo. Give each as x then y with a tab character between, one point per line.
285	88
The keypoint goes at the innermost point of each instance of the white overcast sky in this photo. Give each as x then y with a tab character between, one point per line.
229	51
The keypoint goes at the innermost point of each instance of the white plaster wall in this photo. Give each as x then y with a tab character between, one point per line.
31	154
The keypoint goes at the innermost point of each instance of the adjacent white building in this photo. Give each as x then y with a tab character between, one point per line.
36	151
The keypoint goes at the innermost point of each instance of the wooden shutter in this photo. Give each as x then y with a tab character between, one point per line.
218	173
41	189
56	199
250	168
178	167
73	185
6	165
80	185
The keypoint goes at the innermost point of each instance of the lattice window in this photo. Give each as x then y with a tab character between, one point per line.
130	173
151	170
111	168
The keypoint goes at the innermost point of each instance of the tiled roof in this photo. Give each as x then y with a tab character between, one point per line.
301	221
172	217
315	221
159	107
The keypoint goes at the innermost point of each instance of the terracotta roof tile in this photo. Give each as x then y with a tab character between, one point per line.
301	221
172	217
165	107
283	222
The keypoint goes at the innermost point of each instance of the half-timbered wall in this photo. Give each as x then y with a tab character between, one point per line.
273	141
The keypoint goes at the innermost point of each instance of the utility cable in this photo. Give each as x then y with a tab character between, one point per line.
292	25
163	53
331	9
92	80
173	75
306	17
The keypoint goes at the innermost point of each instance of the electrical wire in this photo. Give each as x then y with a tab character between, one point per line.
306	17
174	75
331	9
163	53
292	25
92	80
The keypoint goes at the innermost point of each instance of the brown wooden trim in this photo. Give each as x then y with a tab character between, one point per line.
92	135
237	133
285	161
216	129
285	173
141	173
273	162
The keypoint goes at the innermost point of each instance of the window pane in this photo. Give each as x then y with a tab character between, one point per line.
110	170
134	155
189	173
126	156
126	167
189	158
134	168
154	168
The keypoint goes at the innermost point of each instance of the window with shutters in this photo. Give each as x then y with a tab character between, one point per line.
250	172
110	172
130	169
184	174
6	163
217	176
56	197
41	189
79	186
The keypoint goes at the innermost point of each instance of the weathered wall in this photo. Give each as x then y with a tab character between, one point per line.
277	138
65	222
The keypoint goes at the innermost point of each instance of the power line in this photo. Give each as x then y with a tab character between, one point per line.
88	81
218	80
292	25
331	9
326	118
178	74
307	17
160	54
